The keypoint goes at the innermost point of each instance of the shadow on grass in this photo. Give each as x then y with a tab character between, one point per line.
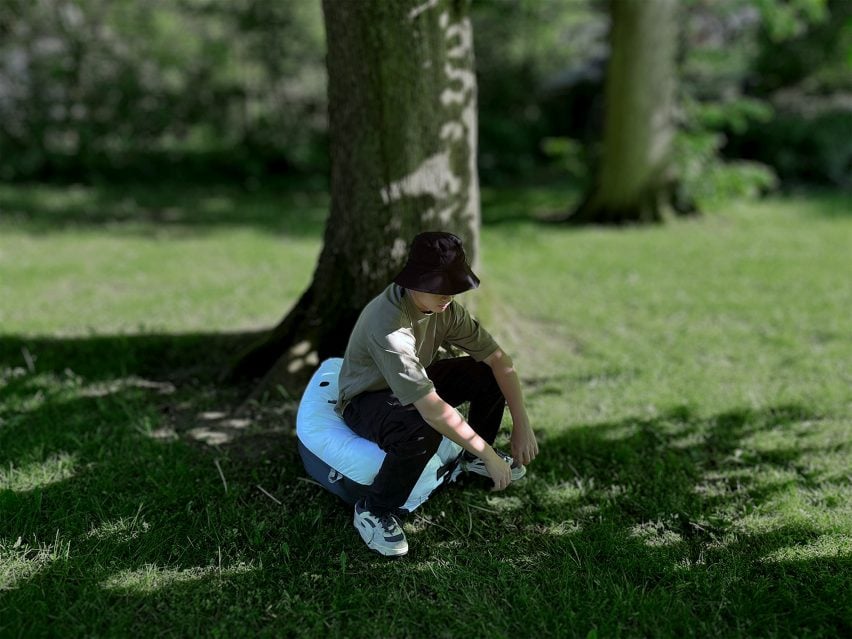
140	208
102	491
680	526
113	524
108	357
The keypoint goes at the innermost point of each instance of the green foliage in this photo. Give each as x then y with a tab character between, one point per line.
786	19
766	83
815	58
522	51
707	180
92	86
235	89
808	80
704	176
815	148
734	115
689	384
569	156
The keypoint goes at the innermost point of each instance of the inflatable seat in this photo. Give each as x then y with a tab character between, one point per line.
346	464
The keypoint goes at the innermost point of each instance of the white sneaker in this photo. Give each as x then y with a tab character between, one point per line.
471	464
381	533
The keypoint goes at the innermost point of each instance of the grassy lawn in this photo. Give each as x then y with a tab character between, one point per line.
690	385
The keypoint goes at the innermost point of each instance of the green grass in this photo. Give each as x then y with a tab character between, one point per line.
690	385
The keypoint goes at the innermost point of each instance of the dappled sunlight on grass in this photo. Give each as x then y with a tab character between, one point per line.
24	559
687	383
151	578
218	428
557	529
565	494
655	534
101	389
121	530
56	468
505	504
837	546
526	562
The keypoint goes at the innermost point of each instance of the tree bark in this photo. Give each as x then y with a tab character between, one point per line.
634	181
402	126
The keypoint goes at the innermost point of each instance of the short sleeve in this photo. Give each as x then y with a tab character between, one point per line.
466	333
395	356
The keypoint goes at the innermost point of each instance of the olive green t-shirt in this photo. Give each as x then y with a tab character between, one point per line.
393	342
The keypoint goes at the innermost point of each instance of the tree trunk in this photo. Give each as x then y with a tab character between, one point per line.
402	126
634	181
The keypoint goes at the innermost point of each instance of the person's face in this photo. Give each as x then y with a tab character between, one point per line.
431	302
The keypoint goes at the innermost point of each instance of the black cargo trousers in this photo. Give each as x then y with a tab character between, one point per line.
407	439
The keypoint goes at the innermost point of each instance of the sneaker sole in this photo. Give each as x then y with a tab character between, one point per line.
384	551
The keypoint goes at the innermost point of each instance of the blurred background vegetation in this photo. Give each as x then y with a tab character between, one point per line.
105	90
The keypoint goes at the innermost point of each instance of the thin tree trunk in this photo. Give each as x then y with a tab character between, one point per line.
634	181
402	124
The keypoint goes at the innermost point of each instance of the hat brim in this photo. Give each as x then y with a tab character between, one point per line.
439	282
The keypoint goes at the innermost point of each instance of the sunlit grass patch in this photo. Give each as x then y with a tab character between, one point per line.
825	546
656	533
151	578
33	475
20	560
123	529
566	493
137	259
81	282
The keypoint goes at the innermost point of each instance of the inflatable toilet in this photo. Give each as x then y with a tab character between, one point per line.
346	464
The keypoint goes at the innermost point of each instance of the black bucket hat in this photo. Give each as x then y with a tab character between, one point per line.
437	264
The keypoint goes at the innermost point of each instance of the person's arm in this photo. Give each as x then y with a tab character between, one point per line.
524	444
447	421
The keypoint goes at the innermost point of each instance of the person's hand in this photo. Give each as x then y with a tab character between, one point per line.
524	445
500	471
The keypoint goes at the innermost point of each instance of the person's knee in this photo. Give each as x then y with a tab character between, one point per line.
422	441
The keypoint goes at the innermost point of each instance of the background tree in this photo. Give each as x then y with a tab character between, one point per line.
633	176
103	92
402	126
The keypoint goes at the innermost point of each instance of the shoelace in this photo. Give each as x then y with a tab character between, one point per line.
508	459
388	522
